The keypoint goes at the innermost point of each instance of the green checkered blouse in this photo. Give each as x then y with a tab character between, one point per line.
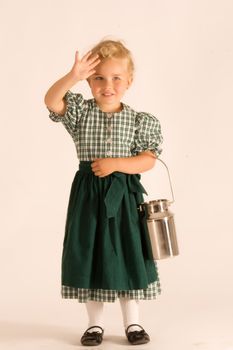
97	134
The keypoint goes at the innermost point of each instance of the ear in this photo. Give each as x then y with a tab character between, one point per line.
130	80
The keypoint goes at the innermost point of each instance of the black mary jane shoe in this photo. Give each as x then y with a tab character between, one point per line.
92	338
137	337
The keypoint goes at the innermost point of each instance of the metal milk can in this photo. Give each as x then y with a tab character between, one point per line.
161	225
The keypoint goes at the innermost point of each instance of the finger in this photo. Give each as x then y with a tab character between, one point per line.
76	56
91	72
85	57
94	64
95	167
98	173
95	160
94	58
95	170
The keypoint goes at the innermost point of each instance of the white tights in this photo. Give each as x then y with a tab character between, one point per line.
95	313
129	309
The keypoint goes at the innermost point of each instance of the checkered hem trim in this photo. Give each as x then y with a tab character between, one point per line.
83	295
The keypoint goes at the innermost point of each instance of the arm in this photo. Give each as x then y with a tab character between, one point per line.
82	69
129	165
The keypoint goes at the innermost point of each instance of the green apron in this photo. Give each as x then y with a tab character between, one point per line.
106	244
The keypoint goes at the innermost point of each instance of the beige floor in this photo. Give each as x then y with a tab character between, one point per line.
200	324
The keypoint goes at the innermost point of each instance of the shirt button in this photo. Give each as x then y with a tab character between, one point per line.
109	115
109	141
109	128
109	153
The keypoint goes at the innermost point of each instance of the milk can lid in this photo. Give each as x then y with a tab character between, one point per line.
159	205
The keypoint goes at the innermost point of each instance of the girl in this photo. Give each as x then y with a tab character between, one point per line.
106	252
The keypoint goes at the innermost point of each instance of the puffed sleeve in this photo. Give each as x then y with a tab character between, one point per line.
148	134
76	106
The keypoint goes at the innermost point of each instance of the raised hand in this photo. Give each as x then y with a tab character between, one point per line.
83	68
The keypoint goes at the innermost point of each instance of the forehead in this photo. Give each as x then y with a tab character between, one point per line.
113	65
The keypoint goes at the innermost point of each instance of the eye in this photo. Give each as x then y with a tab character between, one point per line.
116	78
98	78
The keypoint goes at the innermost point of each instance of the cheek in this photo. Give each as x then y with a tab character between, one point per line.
94	87
122	87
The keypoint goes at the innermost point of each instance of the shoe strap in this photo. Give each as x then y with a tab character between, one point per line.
102	331
131	325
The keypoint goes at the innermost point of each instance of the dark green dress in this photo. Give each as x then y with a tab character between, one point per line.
107	251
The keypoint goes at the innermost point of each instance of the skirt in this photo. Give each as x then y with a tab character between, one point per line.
106	250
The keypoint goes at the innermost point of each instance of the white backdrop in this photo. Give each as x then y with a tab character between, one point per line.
184	75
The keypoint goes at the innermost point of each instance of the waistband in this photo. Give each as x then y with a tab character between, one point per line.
85	165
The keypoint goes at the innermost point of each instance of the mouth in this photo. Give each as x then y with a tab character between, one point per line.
107	94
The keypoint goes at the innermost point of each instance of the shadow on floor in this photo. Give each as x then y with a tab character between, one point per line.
14	333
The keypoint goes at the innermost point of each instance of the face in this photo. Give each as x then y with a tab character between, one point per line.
109	83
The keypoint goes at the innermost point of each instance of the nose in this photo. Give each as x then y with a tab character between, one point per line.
108	83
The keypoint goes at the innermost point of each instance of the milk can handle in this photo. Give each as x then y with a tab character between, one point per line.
173	199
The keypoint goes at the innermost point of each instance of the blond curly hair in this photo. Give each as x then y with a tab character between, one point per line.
113	49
